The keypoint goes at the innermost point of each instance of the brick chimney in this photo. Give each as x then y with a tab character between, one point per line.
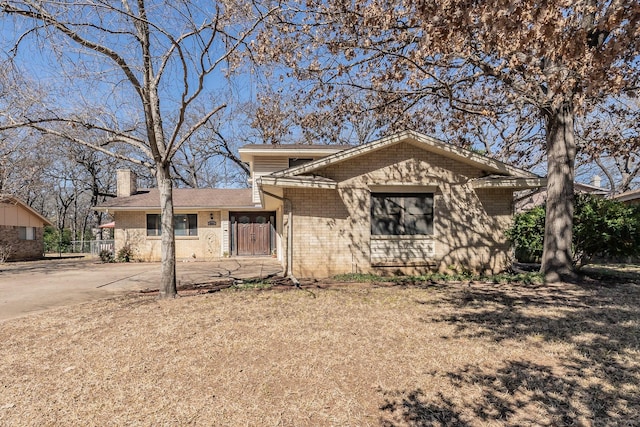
126	185
595	180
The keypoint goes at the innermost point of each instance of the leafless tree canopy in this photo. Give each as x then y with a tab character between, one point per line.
535	67
141	74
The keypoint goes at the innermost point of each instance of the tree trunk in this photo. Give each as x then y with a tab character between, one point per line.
557	258
168	280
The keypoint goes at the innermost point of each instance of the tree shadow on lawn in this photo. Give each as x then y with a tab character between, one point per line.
593	381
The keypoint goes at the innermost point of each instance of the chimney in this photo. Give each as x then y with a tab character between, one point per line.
595	180
126	185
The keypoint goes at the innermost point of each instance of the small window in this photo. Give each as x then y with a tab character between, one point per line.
297	162
184	225
27	233
394	214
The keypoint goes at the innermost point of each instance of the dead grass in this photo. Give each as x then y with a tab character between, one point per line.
418	355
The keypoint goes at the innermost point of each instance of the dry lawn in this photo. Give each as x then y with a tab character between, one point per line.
352	355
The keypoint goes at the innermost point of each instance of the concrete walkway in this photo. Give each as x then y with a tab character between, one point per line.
30	287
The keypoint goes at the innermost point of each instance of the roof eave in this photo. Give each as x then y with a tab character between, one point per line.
517	183
175	208
290	182
247	154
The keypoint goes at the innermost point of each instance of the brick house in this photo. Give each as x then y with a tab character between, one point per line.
21	230
631	197
406	203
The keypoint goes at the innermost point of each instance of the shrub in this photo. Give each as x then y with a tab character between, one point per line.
5	252
56	240
527	234
601	228
125	254
106	256
606	228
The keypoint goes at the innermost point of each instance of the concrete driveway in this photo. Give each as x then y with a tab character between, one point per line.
29	287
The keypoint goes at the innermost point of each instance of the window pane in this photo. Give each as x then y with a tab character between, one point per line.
385	215
185	224
153	225
30	233
192	219
418	217
22	233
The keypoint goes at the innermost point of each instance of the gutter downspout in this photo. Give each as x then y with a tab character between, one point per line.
289	258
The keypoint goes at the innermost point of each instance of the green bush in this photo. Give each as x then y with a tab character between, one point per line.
106	256
125	254
56	241
604	228
527	234
601	228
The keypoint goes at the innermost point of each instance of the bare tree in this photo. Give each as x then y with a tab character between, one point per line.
437	63
132	73
608	136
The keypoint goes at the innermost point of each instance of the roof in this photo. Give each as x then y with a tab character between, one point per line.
628	195
7	198
588	188
183	198
426	142
247	152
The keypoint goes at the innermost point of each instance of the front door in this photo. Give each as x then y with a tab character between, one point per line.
252	233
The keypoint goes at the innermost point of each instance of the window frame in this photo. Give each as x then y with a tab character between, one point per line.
387	220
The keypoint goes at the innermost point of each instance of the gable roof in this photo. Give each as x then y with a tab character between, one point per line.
7	198
423	141
183	198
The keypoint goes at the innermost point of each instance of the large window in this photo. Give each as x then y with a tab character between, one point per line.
184	224
400	214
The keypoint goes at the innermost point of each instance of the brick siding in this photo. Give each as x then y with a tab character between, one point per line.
21	249
331	229
131	229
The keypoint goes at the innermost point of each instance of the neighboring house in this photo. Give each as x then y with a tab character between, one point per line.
21	230
629	197
406	203
526	200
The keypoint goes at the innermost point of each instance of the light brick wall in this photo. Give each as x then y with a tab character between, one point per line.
131	229
331	229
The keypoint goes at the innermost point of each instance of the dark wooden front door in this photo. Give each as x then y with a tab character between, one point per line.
252	233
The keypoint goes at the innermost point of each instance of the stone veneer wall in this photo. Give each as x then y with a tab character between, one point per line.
21	249
331	228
